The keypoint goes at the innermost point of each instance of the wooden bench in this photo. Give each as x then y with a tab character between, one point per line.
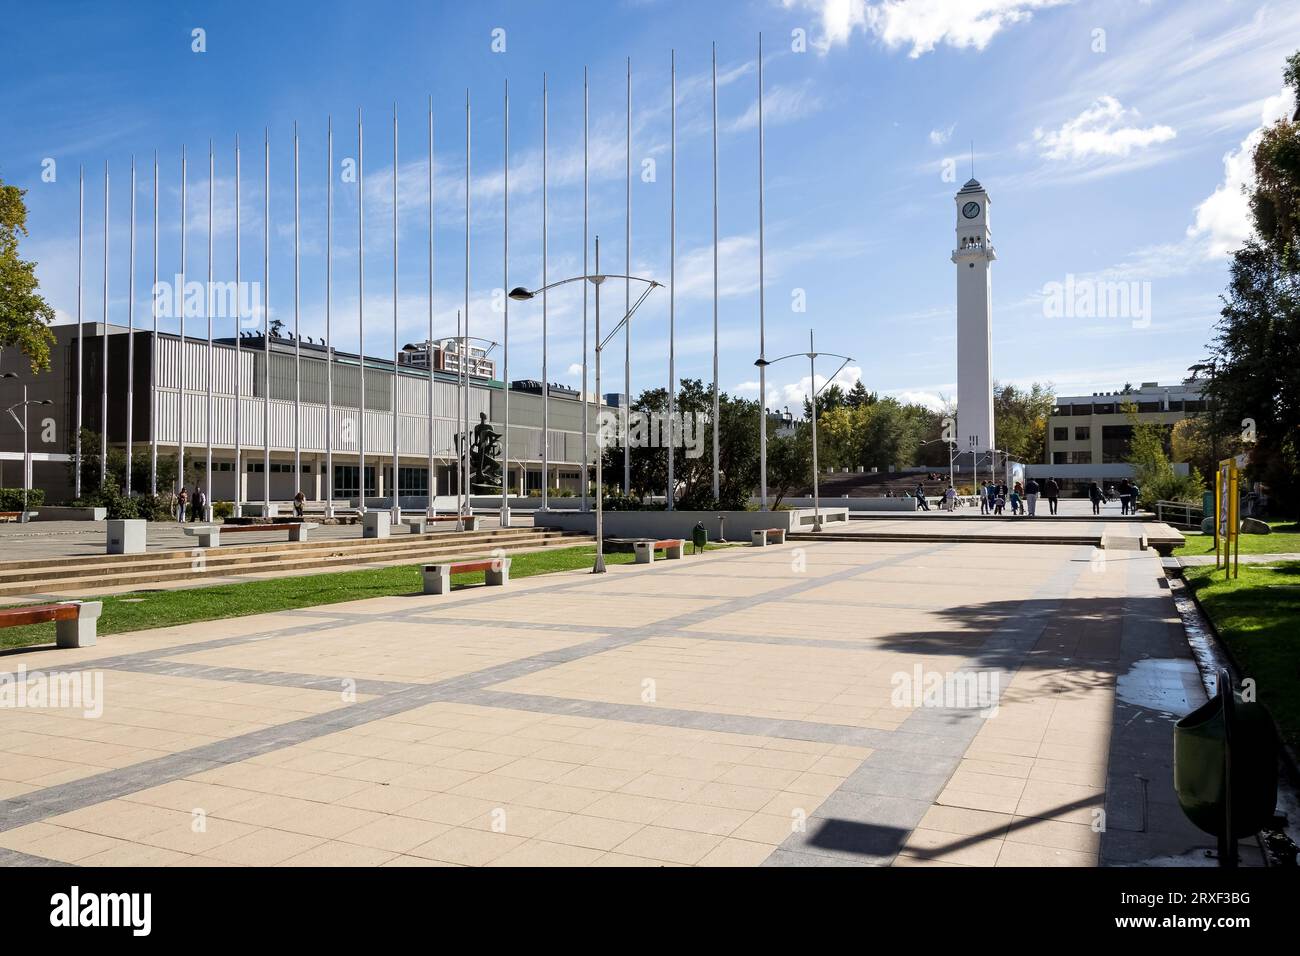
74	621
209	535
762	537
437	577
645	550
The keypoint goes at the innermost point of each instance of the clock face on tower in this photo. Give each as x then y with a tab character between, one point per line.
970	210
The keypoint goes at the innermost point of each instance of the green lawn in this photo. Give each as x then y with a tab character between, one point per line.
142	610
1285	539
1258	617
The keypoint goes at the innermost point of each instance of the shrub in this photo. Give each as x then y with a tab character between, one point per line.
11	499
223	509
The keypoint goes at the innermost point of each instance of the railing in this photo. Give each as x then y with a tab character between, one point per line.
1179	514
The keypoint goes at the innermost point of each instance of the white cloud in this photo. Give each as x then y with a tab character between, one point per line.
931	400
781	104
940	136
1104	129
1223	221
576	368
920	24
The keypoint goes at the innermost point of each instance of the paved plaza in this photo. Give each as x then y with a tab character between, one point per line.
737	708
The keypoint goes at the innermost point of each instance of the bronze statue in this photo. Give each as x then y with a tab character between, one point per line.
484	448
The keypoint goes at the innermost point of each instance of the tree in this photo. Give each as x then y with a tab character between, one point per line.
1254	390
25	316
1152	470
1020	420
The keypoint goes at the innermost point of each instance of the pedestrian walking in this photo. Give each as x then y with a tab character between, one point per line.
299	501
1095	494
920	497
1051	491
1031	495
182	498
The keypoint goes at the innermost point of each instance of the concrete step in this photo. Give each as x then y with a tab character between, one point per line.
324	563
216	559
317	544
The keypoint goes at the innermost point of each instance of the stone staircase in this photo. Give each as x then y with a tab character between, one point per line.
90	574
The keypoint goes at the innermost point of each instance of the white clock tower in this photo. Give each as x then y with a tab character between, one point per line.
972	256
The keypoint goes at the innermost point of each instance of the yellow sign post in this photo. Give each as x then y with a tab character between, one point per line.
1227	518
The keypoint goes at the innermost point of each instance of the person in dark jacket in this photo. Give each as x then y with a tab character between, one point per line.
1096	495
1052	492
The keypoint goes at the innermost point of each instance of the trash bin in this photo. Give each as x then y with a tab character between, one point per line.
1225	764
699	536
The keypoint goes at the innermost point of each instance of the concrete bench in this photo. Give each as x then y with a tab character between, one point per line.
19	516
645	550
74	621
209	535
417	525
471	521
437	577
762	537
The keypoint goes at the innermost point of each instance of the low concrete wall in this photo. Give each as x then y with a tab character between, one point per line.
679	524
856	504
48	513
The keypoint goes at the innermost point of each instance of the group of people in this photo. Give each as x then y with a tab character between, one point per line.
196	502
1127	493
1022	497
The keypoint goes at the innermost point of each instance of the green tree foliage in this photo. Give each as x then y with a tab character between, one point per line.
25	316
1151	467
1256	350
1020	420
90	446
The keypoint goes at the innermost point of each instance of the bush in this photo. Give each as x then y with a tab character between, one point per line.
223	510
157	507
11	499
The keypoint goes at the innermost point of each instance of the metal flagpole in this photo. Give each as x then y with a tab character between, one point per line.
179	297
130	342
329	311
627	297
239	367
361	310
297	331
103	354
672	282
153	347
505	286
81	327
585	400
762	336
716	468
464	347
546	381
430	483
207	428
397	391
266	327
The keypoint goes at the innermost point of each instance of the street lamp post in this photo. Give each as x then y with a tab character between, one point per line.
22	425
811	355
521	294
952	456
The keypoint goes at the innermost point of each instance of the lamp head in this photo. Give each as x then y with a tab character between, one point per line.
520	294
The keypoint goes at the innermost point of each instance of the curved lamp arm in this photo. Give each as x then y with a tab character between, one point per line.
520	294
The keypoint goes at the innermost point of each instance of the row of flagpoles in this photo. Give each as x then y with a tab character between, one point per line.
463	323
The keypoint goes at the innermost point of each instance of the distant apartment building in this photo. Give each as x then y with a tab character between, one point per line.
1091	434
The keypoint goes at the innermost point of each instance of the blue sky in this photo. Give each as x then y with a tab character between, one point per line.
1111	135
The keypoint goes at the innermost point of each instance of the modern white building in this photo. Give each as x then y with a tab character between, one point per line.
973	256
285	385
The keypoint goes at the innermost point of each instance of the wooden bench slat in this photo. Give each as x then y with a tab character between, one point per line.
37	614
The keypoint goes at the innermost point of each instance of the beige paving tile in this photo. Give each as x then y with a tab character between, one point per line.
468	847
731	852
673	846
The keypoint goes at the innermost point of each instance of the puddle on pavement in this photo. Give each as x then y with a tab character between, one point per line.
1158	684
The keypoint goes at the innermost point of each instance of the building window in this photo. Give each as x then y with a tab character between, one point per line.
1082	432
1115	442
345	481
1060	434
412	481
